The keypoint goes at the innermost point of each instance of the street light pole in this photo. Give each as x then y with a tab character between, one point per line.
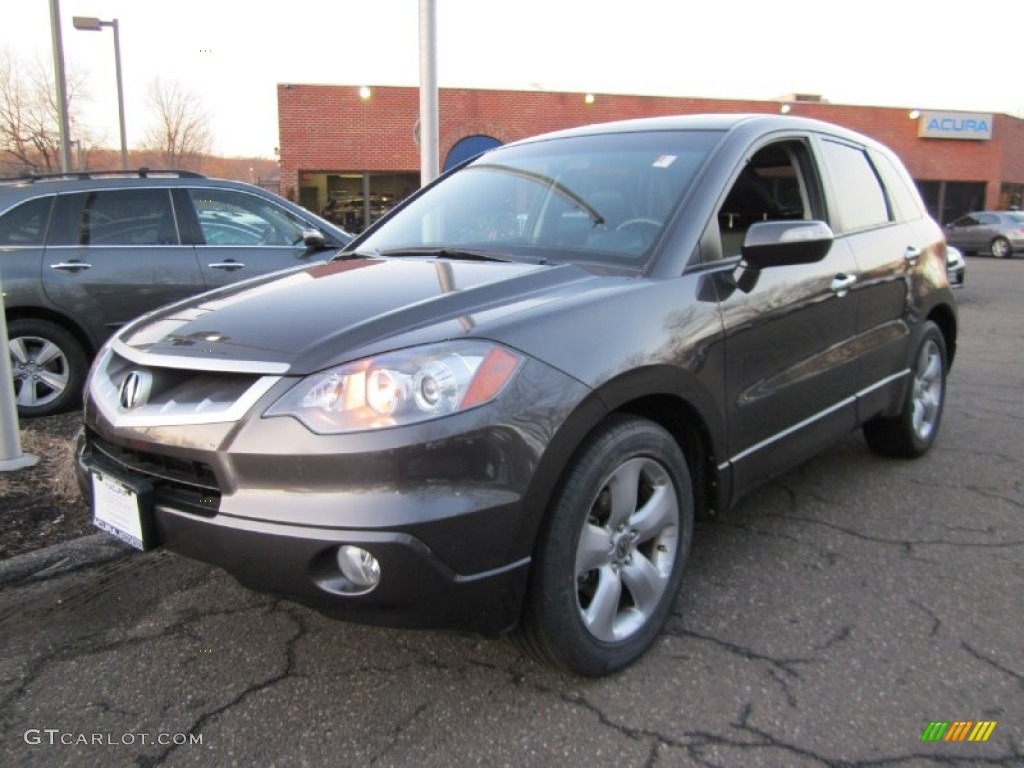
120	95
92	24
62	86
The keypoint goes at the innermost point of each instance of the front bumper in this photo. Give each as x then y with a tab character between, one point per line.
440	505
417	588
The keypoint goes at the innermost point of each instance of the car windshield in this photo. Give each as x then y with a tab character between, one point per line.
603	198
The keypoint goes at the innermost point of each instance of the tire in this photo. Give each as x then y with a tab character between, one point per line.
612	550
48	365
911	433
1000	248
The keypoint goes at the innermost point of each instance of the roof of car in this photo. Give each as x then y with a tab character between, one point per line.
712	122
14	188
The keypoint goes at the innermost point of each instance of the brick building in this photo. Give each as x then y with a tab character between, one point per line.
351	152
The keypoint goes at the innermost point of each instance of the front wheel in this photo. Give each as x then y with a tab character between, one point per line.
1000	248
612	550
911	433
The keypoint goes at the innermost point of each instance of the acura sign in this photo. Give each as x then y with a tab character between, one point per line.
955	125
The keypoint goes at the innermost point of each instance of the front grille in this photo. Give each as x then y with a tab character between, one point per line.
181	483
174	396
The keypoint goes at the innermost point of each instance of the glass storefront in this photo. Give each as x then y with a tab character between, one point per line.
354	200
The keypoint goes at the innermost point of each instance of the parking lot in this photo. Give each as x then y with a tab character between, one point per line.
827	620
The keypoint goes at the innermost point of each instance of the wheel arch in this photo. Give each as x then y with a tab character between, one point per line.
65	322
944	317
665	395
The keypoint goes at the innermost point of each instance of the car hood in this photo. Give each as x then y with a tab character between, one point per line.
310	319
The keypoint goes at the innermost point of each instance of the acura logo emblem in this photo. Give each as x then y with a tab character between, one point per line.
134	389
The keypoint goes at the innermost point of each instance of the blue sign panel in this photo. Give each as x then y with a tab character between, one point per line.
955	125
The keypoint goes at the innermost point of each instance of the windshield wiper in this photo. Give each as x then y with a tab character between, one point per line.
548	181
460	254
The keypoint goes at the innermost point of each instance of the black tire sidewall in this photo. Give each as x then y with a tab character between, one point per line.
74	354
921	445
554	609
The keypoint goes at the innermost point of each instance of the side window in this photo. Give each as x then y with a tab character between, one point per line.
988	219
966	221
25	224
227	217
860	198
779	182
115	217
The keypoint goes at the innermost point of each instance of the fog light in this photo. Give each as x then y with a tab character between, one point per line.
359	567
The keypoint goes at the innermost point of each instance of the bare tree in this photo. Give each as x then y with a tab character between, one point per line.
29	122
181	134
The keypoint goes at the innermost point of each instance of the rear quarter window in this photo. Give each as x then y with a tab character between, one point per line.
25	224
904	197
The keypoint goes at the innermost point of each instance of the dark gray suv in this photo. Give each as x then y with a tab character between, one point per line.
82	254
504	404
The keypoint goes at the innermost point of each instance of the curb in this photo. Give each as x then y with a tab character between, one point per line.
60	559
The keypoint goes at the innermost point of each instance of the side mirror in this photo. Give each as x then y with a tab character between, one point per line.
314	238
778	244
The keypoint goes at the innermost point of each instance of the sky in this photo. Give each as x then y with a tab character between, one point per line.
936	55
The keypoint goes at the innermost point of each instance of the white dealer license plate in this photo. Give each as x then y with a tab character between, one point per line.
117	510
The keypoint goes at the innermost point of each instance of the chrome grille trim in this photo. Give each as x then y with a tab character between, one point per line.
195	363
199	397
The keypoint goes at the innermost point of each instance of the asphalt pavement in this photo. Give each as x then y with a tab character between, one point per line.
826	621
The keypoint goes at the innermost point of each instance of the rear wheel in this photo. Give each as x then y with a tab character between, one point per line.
911	433
48	365
612	550
1000	248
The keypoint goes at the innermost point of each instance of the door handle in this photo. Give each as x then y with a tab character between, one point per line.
71	266
229	265
912	254
841	284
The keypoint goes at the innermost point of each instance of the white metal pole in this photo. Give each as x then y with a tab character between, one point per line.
11	457
428	92
120	95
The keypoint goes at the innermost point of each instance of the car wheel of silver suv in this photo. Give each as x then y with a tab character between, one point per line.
912	432
612	550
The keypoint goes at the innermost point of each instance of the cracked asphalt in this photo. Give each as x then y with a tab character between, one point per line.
824	622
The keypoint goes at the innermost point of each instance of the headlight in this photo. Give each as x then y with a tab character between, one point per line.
400	388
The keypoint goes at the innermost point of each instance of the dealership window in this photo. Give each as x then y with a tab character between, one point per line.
948	200
1011	197
354	200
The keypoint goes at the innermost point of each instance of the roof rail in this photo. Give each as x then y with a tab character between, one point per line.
141	173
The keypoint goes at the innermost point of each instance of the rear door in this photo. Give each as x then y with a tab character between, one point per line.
874	216
115	254
239	235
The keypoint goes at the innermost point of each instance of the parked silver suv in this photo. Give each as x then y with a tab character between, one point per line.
82	254
503	405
